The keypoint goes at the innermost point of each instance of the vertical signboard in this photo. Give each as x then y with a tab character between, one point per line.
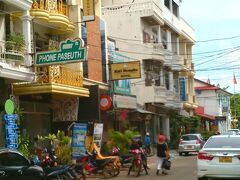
78	139
10	130
97	134
182	85
88	10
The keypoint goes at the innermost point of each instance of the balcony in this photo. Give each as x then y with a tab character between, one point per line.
54	16
173	61
153	94
173	100
58	80
149	11
11	56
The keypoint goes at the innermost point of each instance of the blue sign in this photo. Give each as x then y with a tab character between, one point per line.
182	85
10	116
10	130
79	132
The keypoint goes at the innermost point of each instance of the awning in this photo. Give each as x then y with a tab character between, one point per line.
144	111
209	117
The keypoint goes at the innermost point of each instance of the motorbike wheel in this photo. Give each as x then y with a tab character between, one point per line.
117	170
81	176
109	170
137	169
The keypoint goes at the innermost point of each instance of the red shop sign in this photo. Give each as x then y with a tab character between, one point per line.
105	102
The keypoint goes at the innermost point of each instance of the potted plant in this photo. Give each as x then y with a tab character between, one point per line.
15	42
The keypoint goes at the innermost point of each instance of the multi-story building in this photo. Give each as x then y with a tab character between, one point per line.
214	106
50	97
153	33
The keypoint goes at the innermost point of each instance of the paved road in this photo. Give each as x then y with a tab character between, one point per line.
183	168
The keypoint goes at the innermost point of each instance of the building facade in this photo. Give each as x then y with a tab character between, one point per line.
216	105
154	33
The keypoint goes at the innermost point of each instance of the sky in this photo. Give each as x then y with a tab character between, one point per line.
216	53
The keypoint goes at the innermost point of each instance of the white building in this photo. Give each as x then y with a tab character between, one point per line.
216	103
153	33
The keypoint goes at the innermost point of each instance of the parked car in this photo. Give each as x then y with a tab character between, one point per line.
190	143
237	131
219	158
13	165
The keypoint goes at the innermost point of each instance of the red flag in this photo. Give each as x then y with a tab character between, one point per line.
234	79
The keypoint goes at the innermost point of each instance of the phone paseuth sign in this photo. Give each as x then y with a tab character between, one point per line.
70	51
126	70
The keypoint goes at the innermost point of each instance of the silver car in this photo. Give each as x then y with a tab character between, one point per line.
190	143
219	158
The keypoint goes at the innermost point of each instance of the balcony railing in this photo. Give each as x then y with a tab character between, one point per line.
11	55
52	6
59	74
145	9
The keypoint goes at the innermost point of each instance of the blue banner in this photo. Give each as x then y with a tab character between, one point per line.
79	131
182	85
10	130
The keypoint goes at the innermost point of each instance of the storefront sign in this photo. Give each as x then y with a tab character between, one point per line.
128	102
10	130
125	70
105	102
182	84
97	134
78	139
88	10
122	87
70	51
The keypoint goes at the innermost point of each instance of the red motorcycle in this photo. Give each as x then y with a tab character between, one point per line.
137	162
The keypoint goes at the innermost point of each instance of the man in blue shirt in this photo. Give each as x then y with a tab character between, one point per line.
147	143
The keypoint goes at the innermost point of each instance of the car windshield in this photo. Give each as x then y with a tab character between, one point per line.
189	137
223	142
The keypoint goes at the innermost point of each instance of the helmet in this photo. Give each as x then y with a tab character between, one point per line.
115	150
147	133
161	138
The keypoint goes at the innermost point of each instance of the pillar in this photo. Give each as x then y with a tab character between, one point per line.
170	80
169	40
26	25
166	127
161	76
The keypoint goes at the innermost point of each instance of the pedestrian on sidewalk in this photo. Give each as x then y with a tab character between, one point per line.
162	153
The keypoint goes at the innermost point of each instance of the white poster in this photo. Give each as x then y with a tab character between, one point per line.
97	134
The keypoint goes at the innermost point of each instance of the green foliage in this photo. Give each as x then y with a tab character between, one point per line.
24	145
122	140
235	106
15	41
206	134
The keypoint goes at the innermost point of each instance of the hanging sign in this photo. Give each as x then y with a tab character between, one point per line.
105	102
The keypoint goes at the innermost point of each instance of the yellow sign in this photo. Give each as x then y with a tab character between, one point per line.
126	70
88	10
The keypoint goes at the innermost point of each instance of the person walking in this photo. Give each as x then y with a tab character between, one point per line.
162	153
147	143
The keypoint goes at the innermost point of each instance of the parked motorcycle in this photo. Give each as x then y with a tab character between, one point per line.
137	162
92	165
124	158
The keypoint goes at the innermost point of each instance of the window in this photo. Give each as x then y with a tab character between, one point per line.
146	37
167	3
175	9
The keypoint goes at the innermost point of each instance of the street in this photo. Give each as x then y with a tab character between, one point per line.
183	168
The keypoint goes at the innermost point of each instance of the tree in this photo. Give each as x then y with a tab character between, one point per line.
235	106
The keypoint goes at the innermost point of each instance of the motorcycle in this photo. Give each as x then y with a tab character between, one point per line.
92	165
124	158
137	162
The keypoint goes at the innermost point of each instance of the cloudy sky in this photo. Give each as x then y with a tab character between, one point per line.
216	53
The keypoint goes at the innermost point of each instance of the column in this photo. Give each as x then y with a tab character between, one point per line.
178	46
159	34
169	40
170	80
161	77
166	129
26	25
